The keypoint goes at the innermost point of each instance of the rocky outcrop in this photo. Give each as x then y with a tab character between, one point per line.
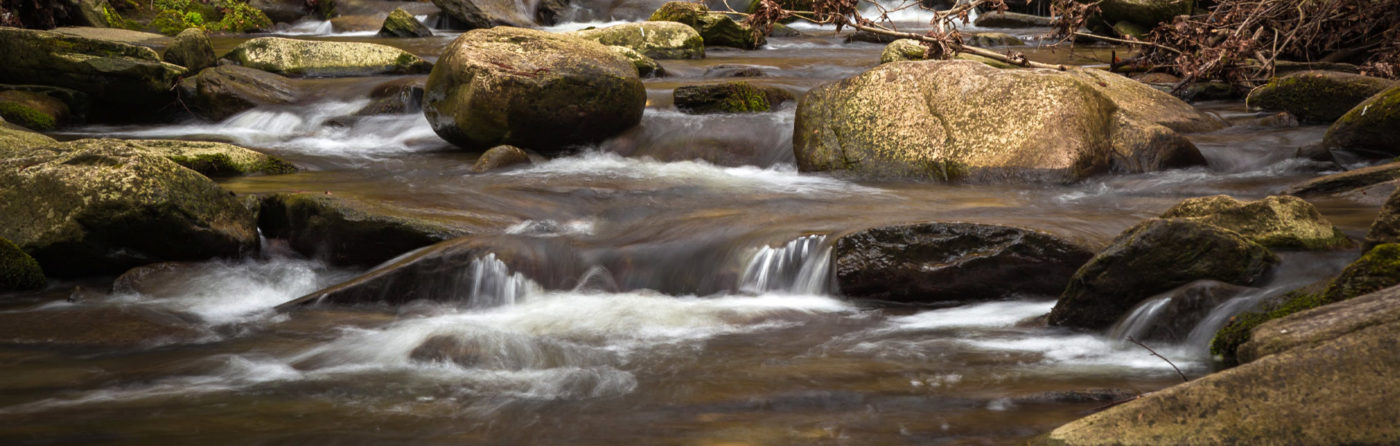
402	24
729	97
220	92
192	50
1316	96
1156	256
532	89
945	120
348	232
124	82
18	271
1370	129
931	262
294	57
500	157
1275	222
657	40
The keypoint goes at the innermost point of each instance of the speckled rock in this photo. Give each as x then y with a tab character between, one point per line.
220	92
294	57
19	140
729	97
657	40
213	159
715	29
192	50
646	66
96	206
946	120
346	231
1316	96
536	90
902	50
1371	129
124	82
18	271
1275	221
500	157
402	24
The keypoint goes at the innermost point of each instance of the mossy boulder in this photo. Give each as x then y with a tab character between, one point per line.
1144	13
404	95
1153	257
346	231
1371	129
729	97
16	140
220	92
284	11
295	57
124	82
213	159
500	157
1386	227
657	40
934	262
402	24
714	29
688	13
33	110
946	120
646	66
476	14
1275	222
18	271
1319	325
1316	96
1011	20
101	207
537	90
902	50
192	50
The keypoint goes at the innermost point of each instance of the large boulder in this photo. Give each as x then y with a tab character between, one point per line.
124	82
220	92
947	120
657	40
1316	96
1153	257
714	29
729	97
295	57
1371	129
1319	325
32	110
192	50
101	206
345	231
532	89
1275	221
475	14
15	140
931	262
18	271
402	24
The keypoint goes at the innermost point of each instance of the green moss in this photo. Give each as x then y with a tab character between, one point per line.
1315	96
26	116
18	271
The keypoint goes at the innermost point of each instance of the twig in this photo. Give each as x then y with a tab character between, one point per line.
1164	358
1022	62
1125	41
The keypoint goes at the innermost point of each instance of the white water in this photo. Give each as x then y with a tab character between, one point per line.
777	179
1141	319
799	267
229	292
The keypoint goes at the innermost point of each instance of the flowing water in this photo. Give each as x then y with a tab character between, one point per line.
685	297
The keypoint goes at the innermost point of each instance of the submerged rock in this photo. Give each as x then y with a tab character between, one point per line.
500	157
1316	96
98	206
657	40
1156	256
933	262
192	50
220	92
1371	129
347	232
18	271
729	97
1275	222
124	82
32	110
533	89
1011	20
295	57
646	66
946	120
402	24
395	97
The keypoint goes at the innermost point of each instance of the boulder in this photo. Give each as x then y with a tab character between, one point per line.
348	232
646	66
1153	257
294	57
475	14
1145	13
902	50
729	97
657	40
1316	96
76	101
213	159
1173	320
33	110
991	39
1346	181
533	89
946	120
192	50
157	42
734	70
282	11
398	96
18	271
500	157
1386	227
124	82
934	262
402	24
1371	129
1012	20
1278	221
100	206
220	92
1319	325
358	23
714	29
16	140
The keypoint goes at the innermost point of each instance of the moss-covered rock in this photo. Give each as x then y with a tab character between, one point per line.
97	206
1319	325
1371	129
192	50
1011	20
946	120
1275	222
1145	13
902	50
16	140
476	14
220	92
500	157
294	57
213	159
714	29
646	66
284	11
657	40
934	262
1316	96
688	13
541	91
124	82
1386	227
18	271
1153	257
729	97
1346	181
402	24
349	232
33	110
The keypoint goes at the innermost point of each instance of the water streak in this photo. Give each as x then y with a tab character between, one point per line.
799	267
1141	319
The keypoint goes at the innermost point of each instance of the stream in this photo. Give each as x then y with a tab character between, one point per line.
693	306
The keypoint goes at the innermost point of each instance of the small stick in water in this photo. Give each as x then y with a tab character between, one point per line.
1164	358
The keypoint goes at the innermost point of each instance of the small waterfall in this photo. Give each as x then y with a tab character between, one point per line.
1140	320
492	284
1205	330
799	267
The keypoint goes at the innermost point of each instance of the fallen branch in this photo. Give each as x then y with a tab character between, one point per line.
1164	358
